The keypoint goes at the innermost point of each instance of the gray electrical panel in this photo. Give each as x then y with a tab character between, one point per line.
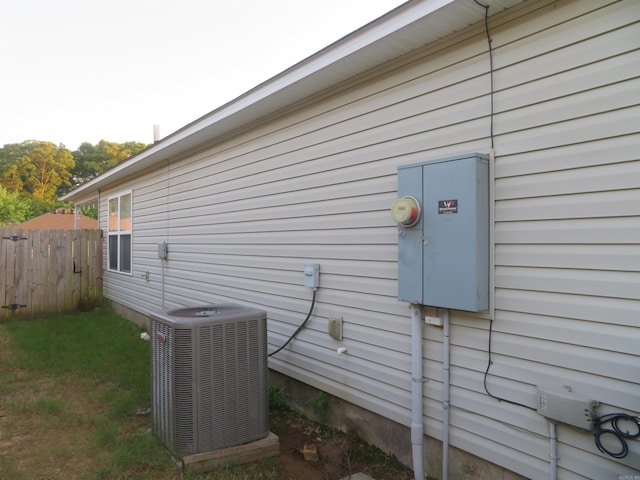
443	258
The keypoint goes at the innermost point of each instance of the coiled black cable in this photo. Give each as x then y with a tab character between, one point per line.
313	302
617	422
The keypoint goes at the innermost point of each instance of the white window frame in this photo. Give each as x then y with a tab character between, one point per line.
118	233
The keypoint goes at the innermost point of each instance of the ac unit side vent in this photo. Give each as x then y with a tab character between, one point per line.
162	391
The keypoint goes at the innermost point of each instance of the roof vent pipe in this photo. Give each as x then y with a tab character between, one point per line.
156	133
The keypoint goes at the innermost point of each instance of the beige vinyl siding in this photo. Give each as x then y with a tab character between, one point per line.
149	228
314	184
567	227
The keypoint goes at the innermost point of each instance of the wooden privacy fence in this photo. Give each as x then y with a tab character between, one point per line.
49	271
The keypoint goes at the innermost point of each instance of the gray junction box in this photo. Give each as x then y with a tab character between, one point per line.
443	260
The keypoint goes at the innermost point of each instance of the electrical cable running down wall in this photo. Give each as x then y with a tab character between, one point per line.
621	426
302	325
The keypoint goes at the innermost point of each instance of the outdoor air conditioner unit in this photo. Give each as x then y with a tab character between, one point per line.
209	377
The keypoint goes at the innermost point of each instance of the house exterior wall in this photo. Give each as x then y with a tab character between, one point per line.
314	185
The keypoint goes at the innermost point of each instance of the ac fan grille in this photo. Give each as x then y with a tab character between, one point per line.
162	374
186	426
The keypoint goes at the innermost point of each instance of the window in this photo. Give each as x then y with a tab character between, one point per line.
120	233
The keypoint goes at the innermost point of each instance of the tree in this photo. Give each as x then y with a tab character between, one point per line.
13	209
10	156
46	168
39	172
11	179
93	160
37	169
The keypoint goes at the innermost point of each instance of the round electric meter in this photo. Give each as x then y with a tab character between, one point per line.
406	211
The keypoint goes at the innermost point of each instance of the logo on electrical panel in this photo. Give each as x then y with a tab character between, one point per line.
447	206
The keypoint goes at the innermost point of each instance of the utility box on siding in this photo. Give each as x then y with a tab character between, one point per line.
443	258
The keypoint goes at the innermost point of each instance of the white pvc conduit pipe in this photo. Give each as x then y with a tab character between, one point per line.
445	394
417	426
553	451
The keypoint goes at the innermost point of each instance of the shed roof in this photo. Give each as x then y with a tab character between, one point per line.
59	220
410	26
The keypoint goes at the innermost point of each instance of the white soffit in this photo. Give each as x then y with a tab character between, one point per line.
410	26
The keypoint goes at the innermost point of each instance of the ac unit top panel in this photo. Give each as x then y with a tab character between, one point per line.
208	314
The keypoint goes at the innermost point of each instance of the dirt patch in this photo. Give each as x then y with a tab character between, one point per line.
339	455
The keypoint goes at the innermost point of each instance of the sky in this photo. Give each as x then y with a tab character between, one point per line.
74	71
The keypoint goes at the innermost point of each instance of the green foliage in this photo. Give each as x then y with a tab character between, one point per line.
93	160
277	398
11	179
45	169
10	156
39	172
90	211
36	168
321	407
13	209
40	207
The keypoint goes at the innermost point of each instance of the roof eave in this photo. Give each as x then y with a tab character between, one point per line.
411	25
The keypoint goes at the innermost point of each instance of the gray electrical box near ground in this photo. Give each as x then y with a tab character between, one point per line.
564	406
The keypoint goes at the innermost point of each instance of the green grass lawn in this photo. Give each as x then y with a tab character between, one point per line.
72	389
73	392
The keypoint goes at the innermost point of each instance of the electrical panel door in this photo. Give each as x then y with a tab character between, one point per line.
443	257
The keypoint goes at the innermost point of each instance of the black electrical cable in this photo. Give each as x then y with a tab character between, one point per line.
486	374
491	89
313	302
616	431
